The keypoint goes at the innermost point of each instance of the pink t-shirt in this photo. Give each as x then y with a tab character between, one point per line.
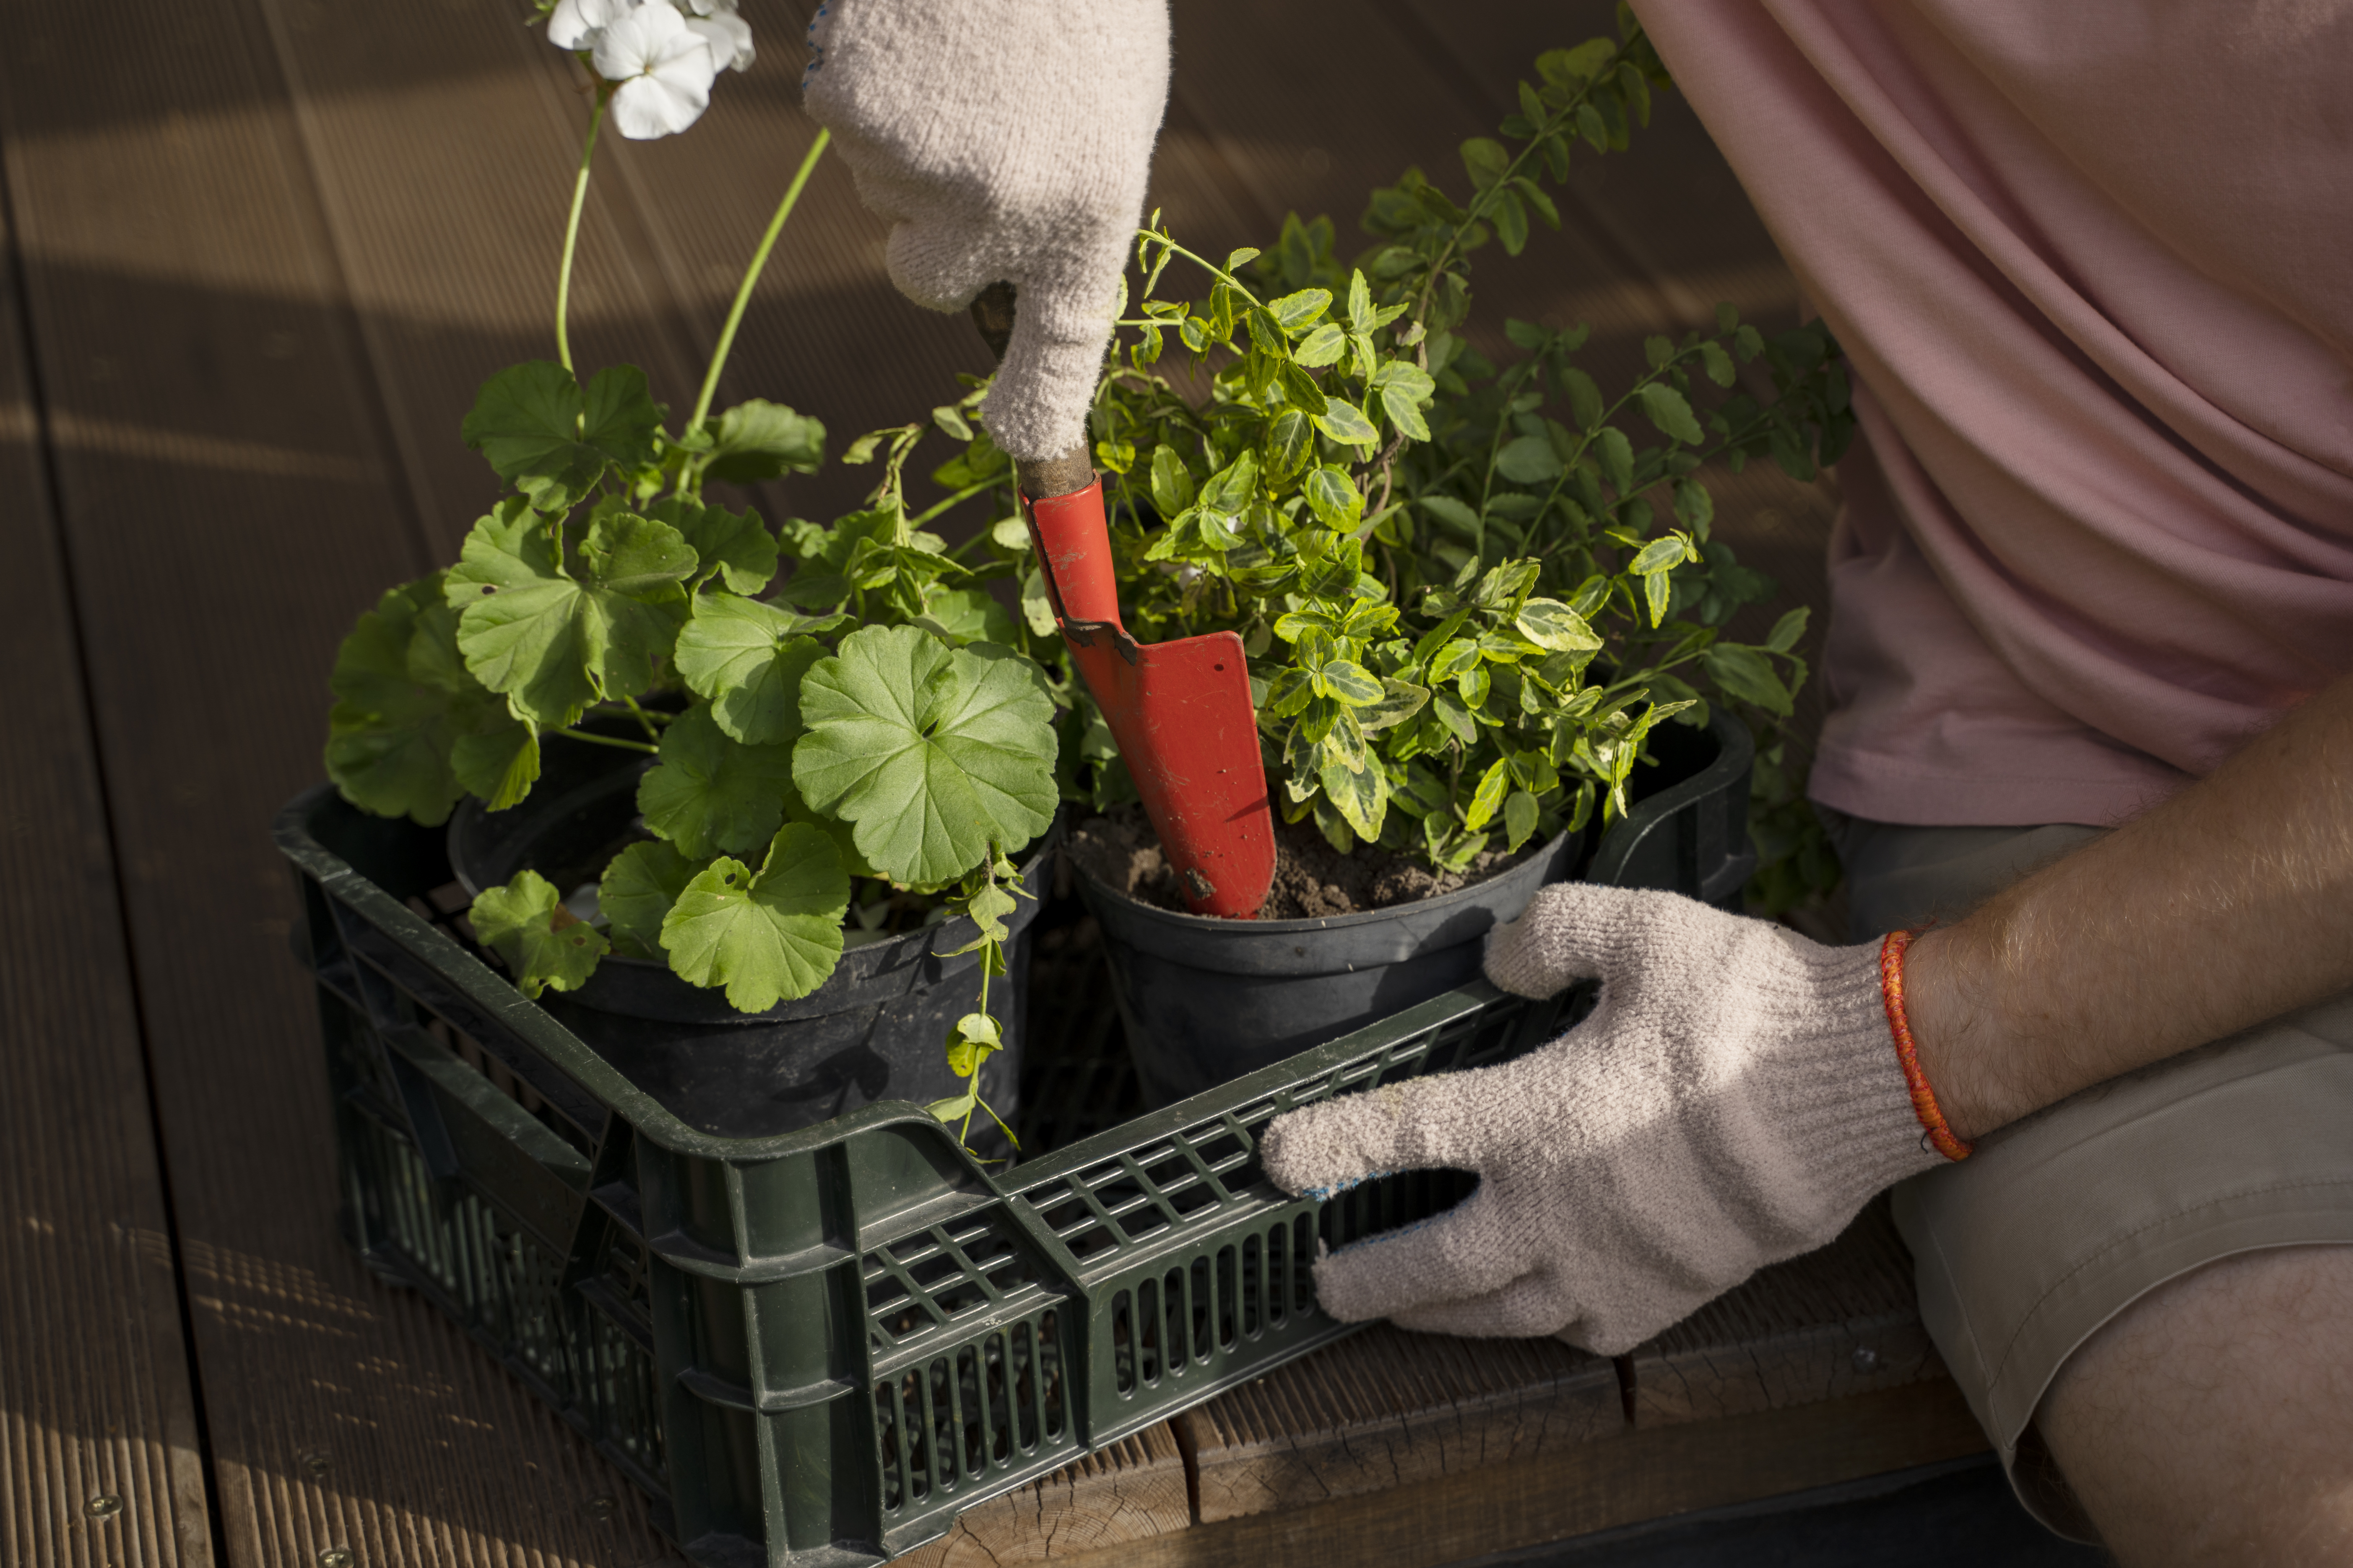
2093	262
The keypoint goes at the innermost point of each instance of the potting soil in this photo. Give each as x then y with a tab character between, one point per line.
1312	879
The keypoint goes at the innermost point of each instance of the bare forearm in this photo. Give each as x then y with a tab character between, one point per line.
2227	905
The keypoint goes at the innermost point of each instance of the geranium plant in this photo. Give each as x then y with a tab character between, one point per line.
852	755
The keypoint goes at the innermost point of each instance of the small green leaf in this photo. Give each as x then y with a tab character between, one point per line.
1236	259
1300	389
1746	674
1584	398
950	421
711	795
526	924
1788	630
1672	412
769	938
735	546
1660	555
1296	312
1553	627
1400	700
1519	819
1172	481
1718	363
550	439
746	659
1331	496
1484	160
1362	797
1489	795
1453	514
1397	402
1616	456
1349	681
759	441
1510	220
964	615
931	753
637	892
1346	422
1453	715
1658	593
1320	347
1529	460
553	641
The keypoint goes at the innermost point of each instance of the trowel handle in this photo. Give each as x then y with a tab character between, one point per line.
1074	470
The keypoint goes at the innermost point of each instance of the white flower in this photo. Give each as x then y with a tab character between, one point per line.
709	7
729	36
664	69
576	24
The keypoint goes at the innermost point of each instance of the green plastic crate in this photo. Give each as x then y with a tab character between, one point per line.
819	1347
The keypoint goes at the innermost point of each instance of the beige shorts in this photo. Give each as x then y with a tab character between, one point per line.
2059	1222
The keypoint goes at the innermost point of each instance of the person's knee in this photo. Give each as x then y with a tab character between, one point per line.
2212	1421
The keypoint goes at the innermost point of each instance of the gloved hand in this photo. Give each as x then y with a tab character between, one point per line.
1733	1098
1004	140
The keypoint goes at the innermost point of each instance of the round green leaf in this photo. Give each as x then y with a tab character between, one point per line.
411	730
637	892
767	938
526	924
734	546
758	440
931	753
555	641
746	659
713	795
550	439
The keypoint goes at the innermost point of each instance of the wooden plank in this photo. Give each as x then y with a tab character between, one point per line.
1835	1322
1579	1489
229	504
1135	1490
100	1456
1388	1408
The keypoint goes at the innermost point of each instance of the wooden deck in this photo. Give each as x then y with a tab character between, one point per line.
258	255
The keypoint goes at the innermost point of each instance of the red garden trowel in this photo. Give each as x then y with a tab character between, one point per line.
1180	711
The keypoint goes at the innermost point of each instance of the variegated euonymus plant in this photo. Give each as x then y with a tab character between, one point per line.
862	752
1468	591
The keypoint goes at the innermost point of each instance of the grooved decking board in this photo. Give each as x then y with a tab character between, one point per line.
1581	1487
230	503
1134	1490
1842	1321
95	1393
1386	1408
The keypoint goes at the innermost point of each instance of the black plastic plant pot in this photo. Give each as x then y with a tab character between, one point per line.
1206	1001
876	1029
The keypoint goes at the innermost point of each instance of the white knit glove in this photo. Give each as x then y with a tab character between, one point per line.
1004	140
1733	1098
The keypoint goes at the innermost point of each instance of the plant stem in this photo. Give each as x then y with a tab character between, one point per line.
752	277
644	722
606	741
572	234
958	498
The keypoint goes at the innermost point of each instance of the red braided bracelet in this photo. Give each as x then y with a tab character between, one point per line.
1924	1098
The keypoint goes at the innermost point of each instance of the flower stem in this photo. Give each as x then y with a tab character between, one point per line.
572	237
606	741
752	276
